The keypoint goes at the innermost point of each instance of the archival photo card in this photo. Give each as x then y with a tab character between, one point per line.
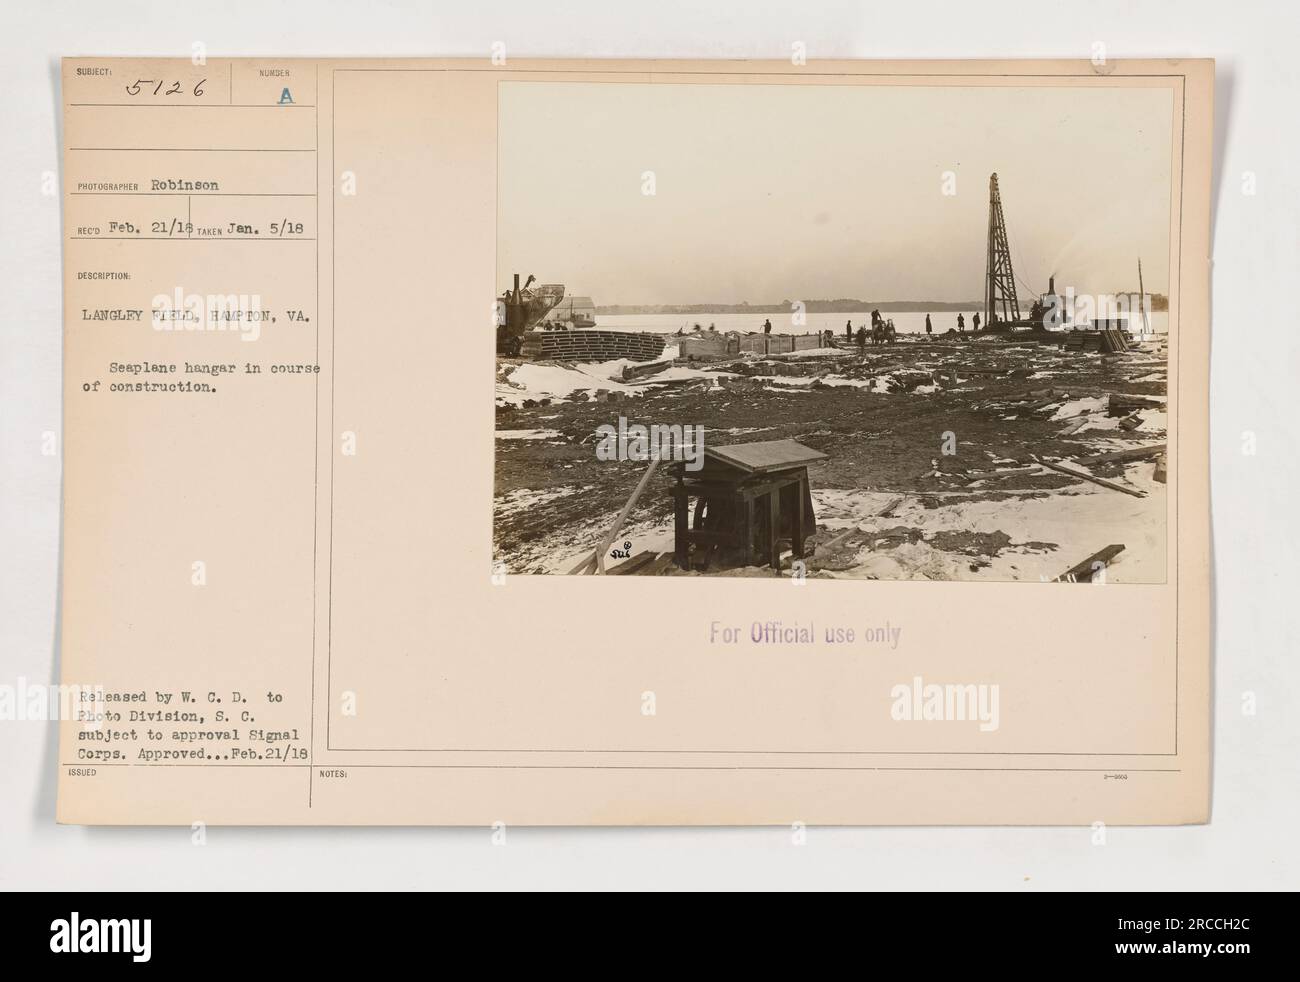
462	442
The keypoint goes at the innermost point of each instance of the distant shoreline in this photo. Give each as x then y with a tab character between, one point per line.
810	306
843	306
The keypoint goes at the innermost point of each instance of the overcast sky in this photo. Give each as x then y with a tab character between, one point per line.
767	193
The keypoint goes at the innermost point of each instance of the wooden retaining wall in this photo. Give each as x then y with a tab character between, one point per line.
780	344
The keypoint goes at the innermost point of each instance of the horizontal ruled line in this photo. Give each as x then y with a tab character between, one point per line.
193	105
196	149
775	753
188	238
208	194
635	767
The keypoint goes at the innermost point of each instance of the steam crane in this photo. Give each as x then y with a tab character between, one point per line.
520	309
1000	302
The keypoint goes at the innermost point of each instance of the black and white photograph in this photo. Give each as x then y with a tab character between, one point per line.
854	331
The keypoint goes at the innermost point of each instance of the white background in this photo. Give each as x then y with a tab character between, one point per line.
1251	840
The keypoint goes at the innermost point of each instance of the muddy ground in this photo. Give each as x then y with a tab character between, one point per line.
881	416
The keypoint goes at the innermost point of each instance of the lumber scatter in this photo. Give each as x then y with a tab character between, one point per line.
1084	571
1132	453
883	513
1095	480
1121	403
1005	472
1076	424
889	508
635	564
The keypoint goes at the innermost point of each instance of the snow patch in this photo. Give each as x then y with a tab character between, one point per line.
527	434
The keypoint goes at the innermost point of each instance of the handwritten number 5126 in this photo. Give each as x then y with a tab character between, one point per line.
142	84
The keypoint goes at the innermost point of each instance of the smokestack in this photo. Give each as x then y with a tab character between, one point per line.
1051	285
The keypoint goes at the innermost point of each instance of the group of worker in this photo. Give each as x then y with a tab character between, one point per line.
961	323
878	328
882	331
876	321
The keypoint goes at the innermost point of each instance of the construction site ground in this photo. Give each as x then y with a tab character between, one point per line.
890	502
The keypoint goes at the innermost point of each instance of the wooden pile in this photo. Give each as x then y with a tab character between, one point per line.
1108	341
1122	404
1085	571
641	371
1095	480
1125	456
592	345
